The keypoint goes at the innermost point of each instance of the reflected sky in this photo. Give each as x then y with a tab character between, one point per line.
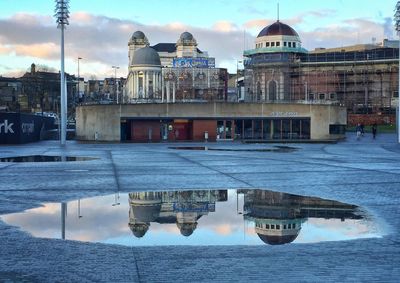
203	217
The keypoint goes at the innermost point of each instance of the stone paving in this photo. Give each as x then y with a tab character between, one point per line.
365	172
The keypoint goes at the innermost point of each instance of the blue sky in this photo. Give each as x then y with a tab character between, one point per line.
99	30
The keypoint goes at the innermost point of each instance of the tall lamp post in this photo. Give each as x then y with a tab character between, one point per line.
79	82
397	26
115	81
62	15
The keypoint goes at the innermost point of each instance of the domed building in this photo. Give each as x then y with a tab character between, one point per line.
144	78
268	65
171	72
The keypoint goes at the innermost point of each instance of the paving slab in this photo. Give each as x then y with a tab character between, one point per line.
364	172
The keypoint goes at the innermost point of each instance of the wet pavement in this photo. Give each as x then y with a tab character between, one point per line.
364	173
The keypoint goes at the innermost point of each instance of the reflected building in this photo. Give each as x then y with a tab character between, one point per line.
184	208
278	217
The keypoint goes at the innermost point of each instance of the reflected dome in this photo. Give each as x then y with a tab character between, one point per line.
277	231
187	229
139	229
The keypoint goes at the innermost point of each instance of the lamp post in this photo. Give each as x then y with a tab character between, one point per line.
62	15
79	81
397	27
115	81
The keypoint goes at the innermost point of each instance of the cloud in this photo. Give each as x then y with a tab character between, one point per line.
349	32
224	26
102	41
43	50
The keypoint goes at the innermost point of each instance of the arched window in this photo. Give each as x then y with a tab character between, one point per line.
272	90
259	92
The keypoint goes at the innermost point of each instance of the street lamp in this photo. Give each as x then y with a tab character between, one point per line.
62	15
397	27
115	81
79	93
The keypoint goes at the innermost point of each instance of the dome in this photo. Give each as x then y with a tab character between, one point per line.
187	229
277	240
277	28
186	36
138	35
139	230
146	56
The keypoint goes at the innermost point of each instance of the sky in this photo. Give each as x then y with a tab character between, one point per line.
99	30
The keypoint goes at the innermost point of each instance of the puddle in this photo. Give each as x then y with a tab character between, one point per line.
274	149
201	217
45	158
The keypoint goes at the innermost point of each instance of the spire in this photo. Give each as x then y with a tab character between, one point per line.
278	11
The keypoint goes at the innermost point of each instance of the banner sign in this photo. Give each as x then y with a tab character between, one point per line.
16	128
193	62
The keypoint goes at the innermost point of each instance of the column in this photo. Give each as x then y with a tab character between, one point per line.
167	85
162	88
173	92
136	93
155	94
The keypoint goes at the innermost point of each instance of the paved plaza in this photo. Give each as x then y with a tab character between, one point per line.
364	172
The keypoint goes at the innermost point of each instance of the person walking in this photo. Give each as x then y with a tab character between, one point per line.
374	130
358	131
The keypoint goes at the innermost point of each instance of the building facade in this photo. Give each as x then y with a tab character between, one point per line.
363	78
169	72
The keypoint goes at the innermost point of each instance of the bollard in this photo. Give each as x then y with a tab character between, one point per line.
206	136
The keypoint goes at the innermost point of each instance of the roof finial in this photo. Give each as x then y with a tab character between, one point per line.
278	10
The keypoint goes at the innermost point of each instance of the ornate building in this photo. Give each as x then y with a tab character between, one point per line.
169	72
363	77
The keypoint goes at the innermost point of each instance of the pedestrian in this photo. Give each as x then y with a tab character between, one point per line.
374	129
358	131
362	129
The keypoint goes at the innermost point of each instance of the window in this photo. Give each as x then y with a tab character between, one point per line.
290	44
332	96
272	226
284	226
289	226
294	44
272	44
337	129
267	44
285	43
266	226
294	225
278	43
278	227
322	96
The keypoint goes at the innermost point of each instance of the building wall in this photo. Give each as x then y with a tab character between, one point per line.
106	119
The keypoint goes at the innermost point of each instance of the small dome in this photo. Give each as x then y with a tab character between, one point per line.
187	229
186	36
146	56
277	28
138	35
139	230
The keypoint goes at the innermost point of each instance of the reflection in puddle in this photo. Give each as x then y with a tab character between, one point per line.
201	217
273	149
45	158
